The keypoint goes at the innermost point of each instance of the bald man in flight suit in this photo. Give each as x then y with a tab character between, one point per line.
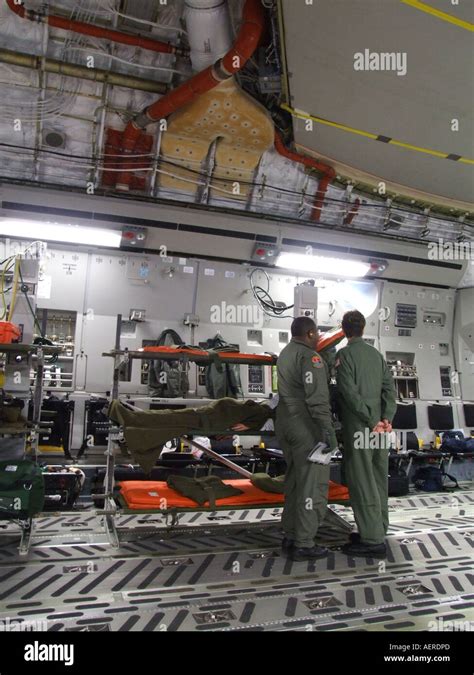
303	419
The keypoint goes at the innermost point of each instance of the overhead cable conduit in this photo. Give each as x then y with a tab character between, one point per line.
95	31
81	72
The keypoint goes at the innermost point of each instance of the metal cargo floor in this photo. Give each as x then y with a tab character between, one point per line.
225	571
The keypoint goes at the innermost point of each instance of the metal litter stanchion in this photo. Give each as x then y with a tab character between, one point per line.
110	508
222	460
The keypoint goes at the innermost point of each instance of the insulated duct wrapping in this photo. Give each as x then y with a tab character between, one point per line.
209	31
243	130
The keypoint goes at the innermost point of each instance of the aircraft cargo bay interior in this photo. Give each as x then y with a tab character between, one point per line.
237	324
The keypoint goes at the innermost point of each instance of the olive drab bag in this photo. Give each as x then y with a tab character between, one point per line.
21	490
222	379
202	490
168	379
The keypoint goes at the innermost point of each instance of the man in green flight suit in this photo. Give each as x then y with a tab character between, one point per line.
303	419
367	404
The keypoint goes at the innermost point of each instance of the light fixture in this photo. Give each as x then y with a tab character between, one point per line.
321	265
67	234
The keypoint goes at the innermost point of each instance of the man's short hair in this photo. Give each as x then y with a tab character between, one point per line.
353	324
301	326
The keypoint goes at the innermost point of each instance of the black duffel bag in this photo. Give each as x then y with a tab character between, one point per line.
398	482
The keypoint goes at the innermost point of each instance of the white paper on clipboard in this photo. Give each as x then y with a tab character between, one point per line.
44	287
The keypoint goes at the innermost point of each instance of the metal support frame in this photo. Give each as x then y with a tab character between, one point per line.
218	458
156	161
109	480
98	136
37	401
203	191
26	535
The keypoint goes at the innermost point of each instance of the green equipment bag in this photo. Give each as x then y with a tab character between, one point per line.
168	379
21	490
222	379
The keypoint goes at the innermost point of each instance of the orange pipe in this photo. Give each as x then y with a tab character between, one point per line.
327	171
95	31
250	33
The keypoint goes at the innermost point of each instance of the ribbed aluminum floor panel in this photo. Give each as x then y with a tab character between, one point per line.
229	574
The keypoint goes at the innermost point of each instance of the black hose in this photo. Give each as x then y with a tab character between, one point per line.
265	300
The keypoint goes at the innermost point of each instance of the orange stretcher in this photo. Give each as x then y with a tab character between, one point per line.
157	496
326	340
223	356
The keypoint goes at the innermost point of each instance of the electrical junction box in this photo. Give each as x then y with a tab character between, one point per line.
306	301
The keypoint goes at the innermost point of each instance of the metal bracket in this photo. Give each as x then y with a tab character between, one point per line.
26	533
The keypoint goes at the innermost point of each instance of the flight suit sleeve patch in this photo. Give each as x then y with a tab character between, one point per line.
317	361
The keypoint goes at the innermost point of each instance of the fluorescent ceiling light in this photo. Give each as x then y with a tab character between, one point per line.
321	265
68	234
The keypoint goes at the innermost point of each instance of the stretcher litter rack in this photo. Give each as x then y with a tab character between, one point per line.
122	360
32	428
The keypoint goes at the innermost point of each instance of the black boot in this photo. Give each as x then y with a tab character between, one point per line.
300	554
287	545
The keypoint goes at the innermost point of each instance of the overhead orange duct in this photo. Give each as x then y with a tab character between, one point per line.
328	172
94	31
250	33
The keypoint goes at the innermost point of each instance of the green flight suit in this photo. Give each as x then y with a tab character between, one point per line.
147	431
366	396
303	418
